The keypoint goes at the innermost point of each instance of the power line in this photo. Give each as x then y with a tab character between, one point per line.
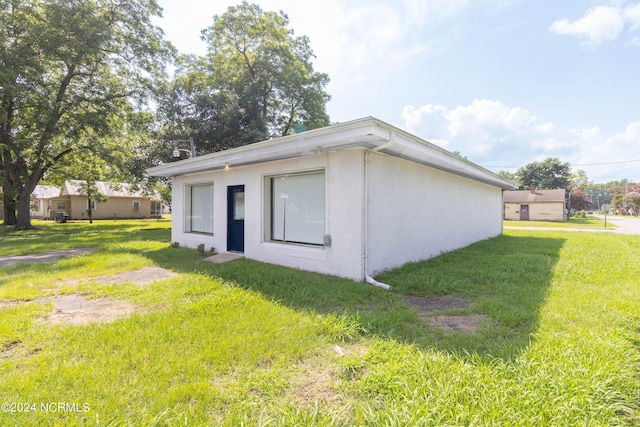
583	164
608	163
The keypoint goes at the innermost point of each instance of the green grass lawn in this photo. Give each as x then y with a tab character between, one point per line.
588	222
246	343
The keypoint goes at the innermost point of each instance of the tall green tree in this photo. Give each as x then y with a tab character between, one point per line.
256	81
548	174
511	176
581	180
69	71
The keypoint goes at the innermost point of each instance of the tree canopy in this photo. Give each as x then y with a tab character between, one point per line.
578	200
71	71
548	174
256	82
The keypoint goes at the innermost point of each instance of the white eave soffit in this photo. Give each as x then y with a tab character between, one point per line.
368	133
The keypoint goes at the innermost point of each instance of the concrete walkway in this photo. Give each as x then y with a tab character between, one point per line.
224	257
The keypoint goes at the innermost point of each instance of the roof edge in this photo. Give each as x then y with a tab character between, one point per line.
368	133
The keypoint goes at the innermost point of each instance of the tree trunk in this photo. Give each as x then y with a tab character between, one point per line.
9	216
24	219
89	211
24	203
9	208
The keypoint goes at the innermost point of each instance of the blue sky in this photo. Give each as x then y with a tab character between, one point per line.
503	82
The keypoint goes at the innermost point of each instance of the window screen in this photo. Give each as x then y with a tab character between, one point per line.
297	208
199	207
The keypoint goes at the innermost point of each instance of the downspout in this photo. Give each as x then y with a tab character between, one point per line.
365	216
374	282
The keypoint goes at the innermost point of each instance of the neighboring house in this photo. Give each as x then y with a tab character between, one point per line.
122	202
535	205
349	200
40	201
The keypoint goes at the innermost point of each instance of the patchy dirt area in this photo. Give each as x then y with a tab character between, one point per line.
142	277
319	378
79	310
9	350
430	309
8	304
461	323
47	257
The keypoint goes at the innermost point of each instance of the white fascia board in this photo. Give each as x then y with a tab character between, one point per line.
360	133
367	133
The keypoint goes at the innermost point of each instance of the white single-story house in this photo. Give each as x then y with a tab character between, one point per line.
349	200
40	205
536	205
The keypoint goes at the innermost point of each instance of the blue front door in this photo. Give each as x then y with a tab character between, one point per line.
235	218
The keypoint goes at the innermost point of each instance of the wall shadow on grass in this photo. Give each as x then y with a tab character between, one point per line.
49	235
505	279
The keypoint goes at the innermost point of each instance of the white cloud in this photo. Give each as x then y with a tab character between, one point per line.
485	130
625	142
616	156
484	114
635	41
632	14
602	23
363	41
503	137
597	25
589	135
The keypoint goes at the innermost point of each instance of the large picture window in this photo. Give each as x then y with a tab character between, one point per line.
199	208
297	207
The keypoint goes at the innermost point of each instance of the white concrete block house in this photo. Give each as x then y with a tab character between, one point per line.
349	200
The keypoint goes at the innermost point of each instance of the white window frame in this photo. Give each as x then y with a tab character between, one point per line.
303	220
135	205
202	221
91	204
